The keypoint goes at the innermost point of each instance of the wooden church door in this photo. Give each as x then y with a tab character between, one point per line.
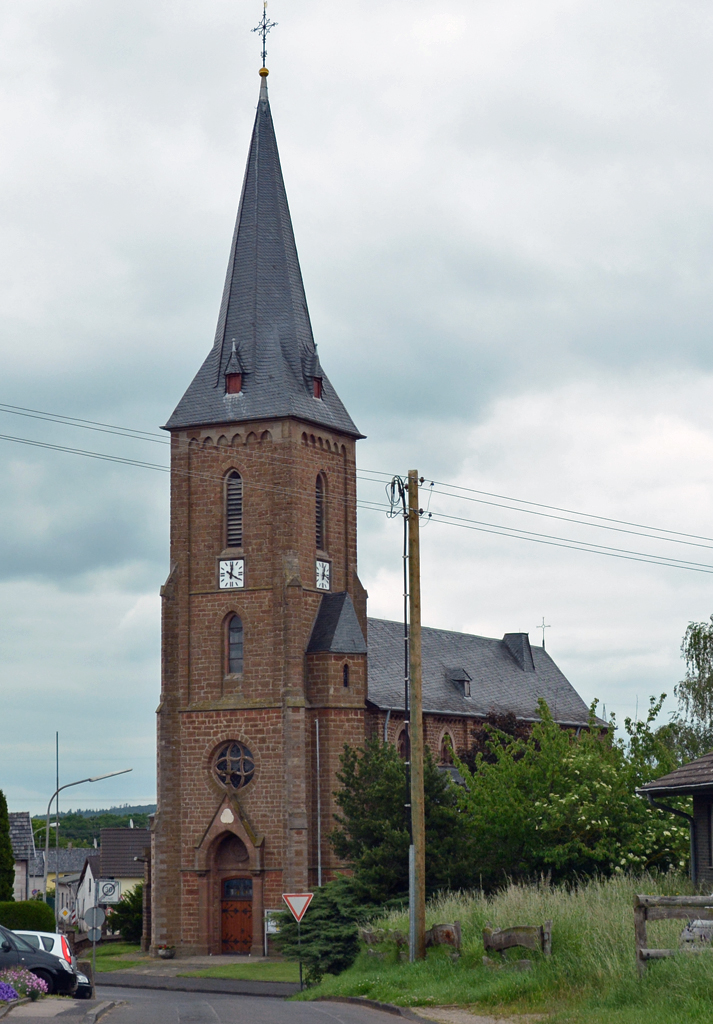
237	915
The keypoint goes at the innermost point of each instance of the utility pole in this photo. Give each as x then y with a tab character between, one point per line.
417	851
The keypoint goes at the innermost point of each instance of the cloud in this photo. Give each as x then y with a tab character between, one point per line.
504	221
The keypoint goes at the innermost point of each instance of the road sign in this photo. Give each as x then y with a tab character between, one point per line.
109	890
94	917
64	914
94	934
298	903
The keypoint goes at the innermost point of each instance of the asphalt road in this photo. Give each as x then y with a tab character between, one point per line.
144	1006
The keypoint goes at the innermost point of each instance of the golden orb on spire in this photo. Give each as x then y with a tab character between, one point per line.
264	72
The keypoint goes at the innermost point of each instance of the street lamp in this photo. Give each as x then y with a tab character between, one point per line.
94	778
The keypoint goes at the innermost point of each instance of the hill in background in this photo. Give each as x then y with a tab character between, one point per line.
82	828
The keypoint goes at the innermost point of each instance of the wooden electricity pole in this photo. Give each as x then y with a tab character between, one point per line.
418	824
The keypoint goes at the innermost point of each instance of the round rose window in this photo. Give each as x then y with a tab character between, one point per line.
234	765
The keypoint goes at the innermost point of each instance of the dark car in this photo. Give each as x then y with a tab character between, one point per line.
59	976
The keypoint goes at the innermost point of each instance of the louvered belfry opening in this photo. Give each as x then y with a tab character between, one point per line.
320	514
234	510
235	645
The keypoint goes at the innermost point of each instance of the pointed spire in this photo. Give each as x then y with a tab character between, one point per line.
263	322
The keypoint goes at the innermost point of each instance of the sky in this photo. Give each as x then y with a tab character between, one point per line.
505	225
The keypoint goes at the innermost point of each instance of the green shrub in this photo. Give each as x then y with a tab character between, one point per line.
127	916
30	915
329	939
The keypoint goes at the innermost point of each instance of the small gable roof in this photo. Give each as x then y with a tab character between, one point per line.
694	777
21	835
506	675
336	629
119	849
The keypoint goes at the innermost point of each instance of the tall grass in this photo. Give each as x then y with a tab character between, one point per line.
592	964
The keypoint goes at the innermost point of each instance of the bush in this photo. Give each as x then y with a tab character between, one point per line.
329	933
24	982
30	915
127	916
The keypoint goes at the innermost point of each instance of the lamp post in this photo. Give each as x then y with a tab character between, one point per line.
79	782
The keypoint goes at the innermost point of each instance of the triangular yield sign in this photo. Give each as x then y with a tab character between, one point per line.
298	903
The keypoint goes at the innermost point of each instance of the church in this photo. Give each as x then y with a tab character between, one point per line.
269	664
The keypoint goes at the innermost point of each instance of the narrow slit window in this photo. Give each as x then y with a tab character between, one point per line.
234	510
320	514
345	675
235	645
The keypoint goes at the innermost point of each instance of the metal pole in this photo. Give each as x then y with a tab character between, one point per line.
416	709
299	949
94	941
56	838
68	785
319	811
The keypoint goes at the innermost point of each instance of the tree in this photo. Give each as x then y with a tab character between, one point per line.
566	806
7	858
372	834
329	940
695	692
127	916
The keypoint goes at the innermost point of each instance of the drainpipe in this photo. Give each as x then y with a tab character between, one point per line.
319	810
691	831
386	726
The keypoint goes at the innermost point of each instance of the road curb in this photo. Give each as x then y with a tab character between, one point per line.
224	986
374	1004
8	1007
93	1015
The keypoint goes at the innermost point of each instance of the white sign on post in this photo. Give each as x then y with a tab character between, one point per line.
298	903
109	890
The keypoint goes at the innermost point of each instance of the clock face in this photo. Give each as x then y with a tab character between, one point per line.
232	573
322	573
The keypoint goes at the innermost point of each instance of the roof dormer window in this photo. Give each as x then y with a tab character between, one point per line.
317	387
233	383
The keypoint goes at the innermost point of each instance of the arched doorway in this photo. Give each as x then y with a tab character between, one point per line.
236	895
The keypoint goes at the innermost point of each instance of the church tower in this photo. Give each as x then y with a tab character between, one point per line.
264	618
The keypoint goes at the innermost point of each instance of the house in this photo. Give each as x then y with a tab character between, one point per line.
22	838
694	779
69	860
120	859
85	895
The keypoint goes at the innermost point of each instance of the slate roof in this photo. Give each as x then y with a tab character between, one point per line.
21	835
498	682
336	628
694	777
119	847
263	313
69	860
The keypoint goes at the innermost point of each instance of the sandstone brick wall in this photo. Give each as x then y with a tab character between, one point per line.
272	705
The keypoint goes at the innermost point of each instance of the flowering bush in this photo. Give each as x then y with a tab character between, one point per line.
24	982
7	992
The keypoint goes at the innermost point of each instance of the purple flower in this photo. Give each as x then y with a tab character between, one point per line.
7	992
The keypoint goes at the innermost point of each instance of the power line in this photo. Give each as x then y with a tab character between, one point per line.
377	476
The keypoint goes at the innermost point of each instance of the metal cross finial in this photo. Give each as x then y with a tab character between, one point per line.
543	626
264	27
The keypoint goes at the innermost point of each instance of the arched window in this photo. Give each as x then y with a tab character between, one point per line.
445	753
320	514
402	744
234	510
235	645
345	675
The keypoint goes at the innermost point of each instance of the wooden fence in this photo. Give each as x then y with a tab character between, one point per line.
665	908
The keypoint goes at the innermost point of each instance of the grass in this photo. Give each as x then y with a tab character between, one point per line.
276	970
113	956
591	977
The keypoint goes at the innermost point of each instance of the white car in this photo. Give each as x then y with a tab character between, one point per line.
51	942
57	945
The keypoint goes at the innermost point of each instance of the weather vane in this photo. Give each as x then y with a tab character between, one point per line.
263	28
